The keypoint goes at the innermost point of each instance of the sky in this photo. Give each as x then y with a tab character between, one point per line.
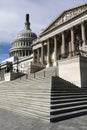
42	12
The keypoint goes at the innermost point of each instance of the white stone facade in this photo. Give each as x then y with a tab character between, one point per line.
58	40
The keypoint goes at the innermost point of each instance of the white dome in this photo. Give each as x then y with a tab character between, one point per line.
21	46
26	33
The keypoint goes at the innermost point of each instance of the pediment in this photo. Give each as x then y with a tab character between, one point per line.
65	16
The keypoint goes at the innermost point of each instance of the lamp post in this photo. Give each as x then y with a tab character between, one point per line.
78	44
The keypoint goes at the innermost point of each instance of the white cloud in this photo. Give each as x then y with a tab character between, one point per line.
42	12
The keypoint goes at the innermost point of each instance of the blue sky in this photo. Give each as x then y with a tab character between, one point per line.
42	12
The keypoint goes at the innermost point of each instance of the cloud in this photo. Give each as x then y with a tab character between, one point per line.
42	12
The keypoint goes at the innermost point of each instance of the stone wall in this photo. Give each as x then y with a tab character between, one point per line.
83	71
2	71
12	76
69	69
74	70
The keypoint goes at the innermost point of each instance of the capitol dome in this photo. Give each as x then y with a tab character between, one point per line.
21	46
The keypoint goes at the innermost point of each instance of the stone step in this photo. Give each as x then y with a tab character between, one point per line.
67	97
30	82
27	92
67	94
26	95
68	100
64	116
68	104
67	109
25	113
54	88
37	102
29	99
32	110
35	94
27	84
27	106
26	102
26	87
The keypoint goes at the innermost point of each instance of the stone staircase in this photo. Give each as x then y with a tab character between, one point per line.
67	100
44	95
27	97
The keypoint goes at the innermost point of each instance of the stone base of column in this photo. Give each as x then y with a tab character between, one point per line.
48	65
55	63
70	55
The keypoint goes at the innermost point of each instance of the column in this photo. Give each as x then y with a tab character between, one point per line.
18	53
14	54
63	45
29	53
21	52
70	49
48	53
33	56
38	56
83	33
25	53
55	51
72	42
42	54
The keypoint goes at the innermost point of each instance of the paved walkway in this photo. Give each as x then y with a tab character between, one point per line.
13	121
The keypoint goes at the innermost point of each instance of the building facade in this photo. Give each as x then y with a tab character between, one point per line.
63	38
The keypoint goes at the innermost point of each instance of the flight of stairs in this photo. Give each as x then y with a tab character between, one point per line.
44	95
67	100
27	97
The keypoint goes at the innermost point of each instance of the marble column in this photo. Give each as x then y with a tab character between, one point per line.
42	54
72	41
25	53
38	56
55	51
48	53
29	53
63	44
83	33
18	54
21	53
33	56
70	49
